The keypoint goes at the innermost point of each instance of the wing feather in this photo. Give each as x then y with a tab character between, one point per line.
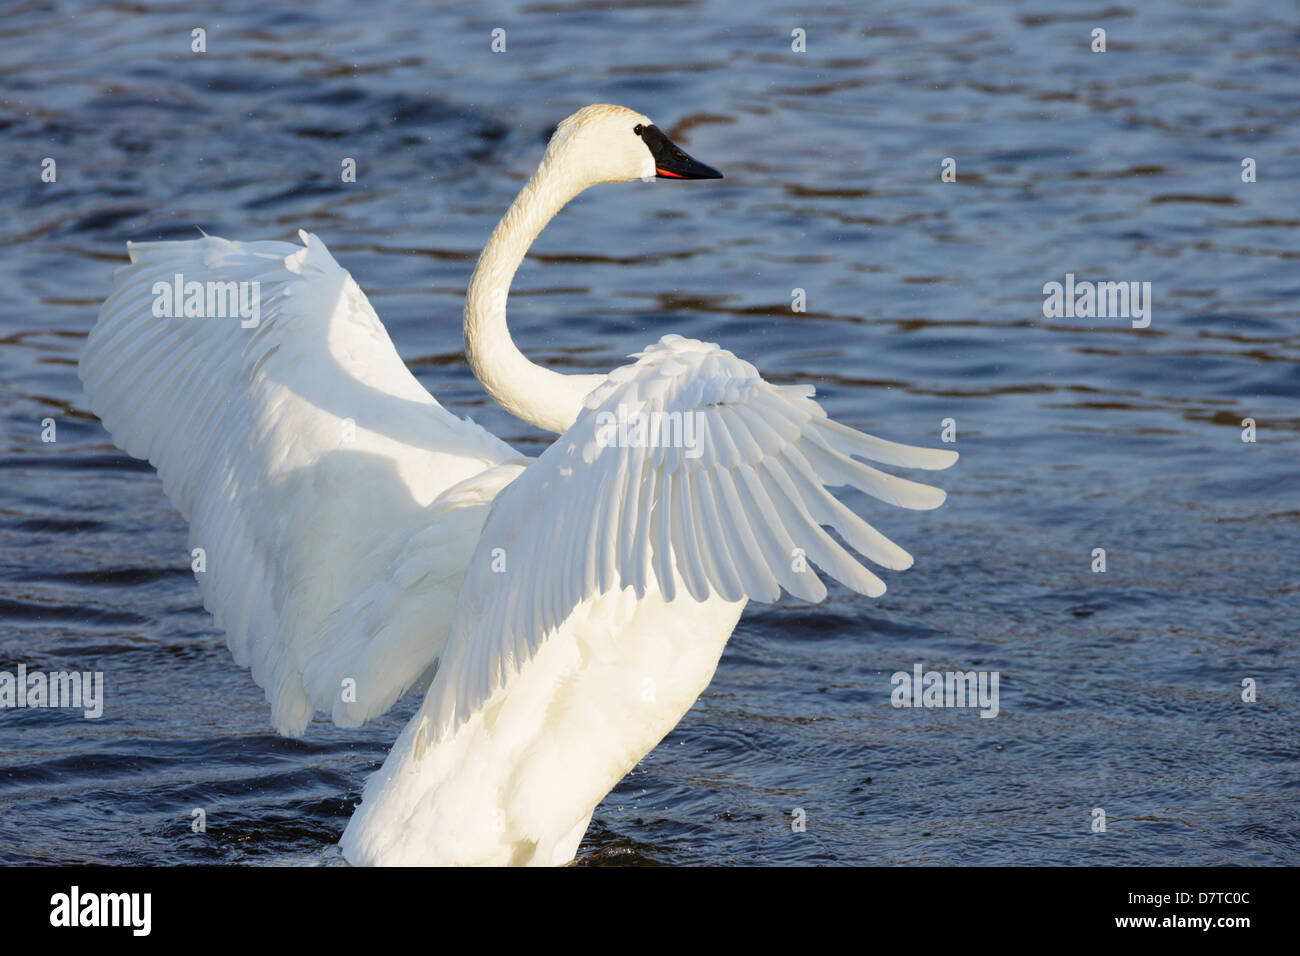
757	580
722	513
826	509
796	519
838	469
639	557
776	541
719	570
686	544
300	528
662	546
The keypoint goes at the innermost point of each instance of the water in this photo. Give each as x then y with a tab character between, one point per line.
1119	691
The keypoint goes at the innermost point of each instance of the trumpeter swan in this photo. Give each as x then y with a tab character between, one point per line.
562	613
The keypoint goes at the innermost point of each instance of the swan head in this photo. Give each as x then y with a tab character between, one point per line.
613	144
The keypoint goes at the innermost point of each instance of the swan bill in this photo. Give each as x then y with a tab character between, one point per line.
670	161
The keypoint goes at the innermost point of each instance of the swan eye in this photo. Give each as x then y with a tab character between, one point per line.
638	129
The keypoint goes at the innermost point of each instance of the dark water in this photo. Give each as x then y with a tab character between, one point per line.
1119	690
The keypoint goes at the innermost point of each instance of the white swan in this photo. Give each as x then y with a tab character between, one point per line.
355	532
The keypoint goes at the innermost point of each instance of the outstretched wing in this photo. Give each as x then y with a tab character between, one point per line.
305	456
723	492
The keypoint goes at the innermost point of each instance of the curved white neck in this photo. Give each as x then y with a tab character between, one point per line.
541	397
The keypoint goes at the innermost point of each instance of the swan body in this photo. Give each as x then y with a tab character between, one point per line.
508	788
360	542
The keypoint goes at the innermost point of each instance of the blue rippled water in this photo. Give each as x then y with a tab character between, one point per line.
1119	690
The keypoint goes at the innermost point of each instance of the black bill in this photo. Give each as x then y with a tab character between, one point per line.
670	161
